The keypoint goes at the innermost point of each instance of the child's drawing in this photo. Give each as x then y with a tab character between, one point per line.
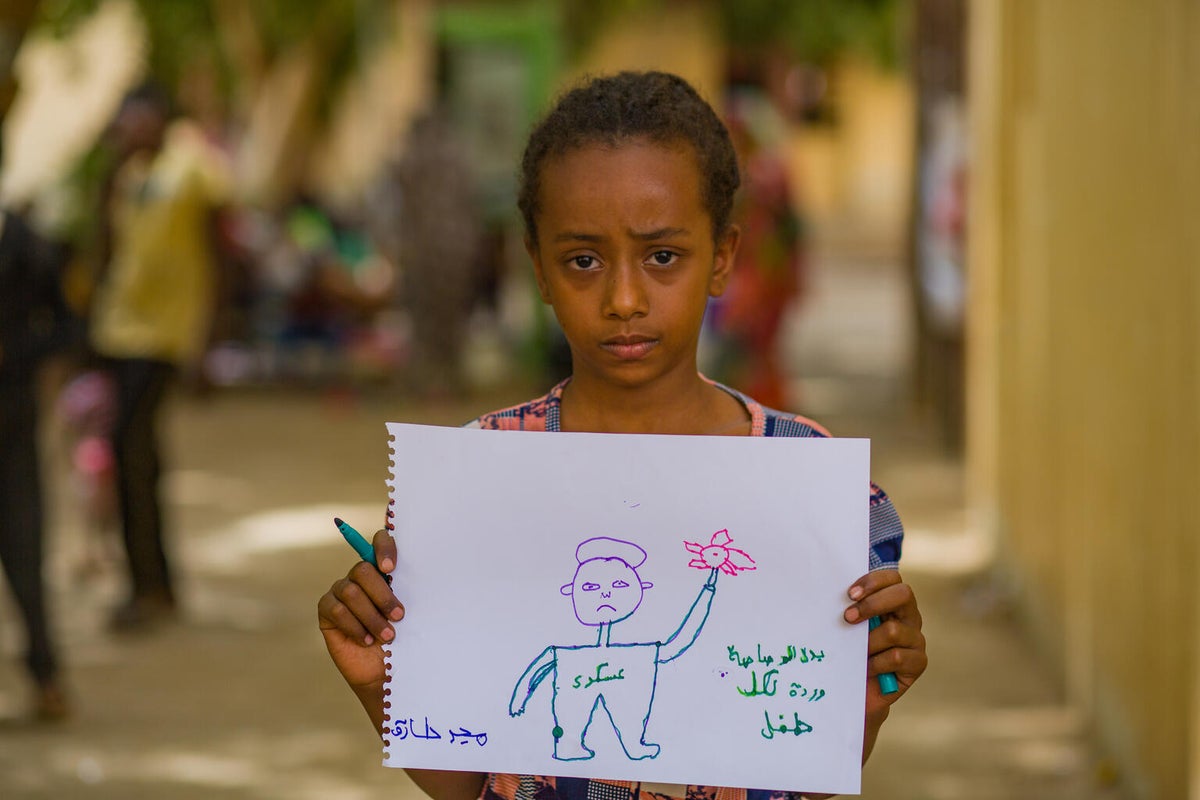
618	676
717	554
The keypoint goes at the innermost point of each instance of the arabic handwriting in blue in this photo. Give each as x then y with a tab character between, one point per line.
408	729
462	736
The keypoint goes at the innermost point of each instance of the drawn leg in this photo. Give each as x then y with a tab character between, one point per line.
630	713
573	710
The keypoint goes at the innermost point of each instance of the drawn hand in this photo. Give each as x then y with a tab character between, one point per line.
712	578
897	645
356	616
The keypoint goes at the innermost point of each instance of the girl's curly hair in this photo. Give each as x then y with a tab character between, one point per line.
609	110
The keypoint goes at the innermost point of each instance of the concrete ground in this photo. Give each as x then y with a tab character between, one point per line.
237	700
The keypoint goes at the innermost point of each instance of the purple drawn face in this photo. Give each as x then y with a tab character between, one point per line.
605	590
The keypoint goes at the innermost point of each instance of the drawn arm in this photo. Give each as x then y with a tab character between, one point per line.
688	631
531	678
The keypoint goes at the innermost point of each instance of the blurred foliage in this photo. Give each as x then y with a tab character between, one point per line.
341	31
817	31
182	31
178	30
82	215
185	33
813	31
15	18
583	20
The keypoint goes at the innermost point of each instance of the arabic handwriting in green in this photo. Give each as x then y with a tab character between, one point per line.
599	677
803	656
797	728
769	684
812	695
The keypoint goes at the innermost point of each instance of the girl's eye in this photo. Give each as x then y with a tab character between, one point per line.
620	584
590	587
664	258
583	262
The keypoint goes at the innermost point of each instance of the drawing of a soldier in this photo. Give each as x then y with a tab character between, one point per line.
619	677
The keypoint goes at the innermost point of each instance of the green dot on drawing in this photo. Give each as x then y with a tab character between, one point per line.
558	732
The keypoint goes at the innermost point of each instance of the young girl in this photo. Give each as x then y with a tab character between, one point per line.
627	187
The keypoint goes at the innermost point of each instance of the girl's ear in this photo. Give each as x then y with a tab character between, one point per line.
538	274
723	259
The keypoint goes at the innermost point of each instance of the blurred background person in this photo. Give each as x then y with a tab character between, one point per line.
768	275
436	245
32	317
151	316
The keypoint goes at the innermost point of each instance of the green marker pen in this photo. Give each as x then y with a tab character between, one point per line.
887	680
361	546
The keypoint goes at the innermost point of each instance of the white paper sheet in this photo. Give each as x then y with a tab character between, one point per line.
544	576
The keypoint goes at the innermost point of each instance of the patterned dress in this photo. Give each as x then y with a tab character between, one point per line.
886	535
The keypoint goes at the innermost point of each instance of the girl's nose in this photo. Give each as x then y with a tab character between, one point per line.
625	293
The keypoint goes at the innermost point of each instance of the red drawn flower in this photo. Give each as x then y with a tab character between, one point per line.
717	554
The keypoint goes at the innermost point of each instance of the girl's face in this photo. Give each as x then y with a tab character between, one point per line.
626	257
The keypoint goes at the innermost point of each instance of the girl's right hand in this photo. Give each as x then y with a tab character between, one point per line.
356	617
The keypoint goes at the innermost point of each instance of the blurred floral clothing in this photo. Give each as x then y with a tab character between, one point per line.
767	278
543	787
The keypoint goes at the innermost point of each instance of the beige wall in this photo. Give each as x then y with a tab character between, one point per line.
856	176
1084	403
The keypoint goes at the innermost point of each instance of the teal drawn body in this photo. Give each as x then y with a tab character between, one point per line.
615	678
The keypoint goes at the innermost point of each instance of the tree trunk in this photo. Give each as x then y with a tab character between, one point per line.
16	18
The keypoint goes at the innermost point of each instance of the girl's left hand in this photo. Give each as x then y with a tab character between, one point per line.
897	645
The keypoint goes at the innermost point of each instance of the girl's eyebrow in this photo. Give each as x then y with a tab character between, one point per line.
644	236
573	236
661	233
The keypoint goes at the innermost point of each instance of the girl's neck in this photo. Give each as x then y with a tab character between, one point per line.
683	404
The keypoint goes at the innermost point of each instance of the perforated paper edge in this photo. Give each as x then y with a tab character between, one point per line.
387	646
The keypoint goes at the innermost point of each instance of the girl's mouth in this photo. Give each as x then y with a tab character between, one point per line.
629	348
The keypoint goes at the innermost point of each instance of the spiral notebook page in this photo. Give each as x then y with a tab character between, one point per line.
655	608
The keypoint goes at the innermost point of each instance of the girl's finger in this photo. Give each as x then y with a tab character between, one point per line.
385	551
332	614
905	663
896	600
873	582
894	633
376	587
363	608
